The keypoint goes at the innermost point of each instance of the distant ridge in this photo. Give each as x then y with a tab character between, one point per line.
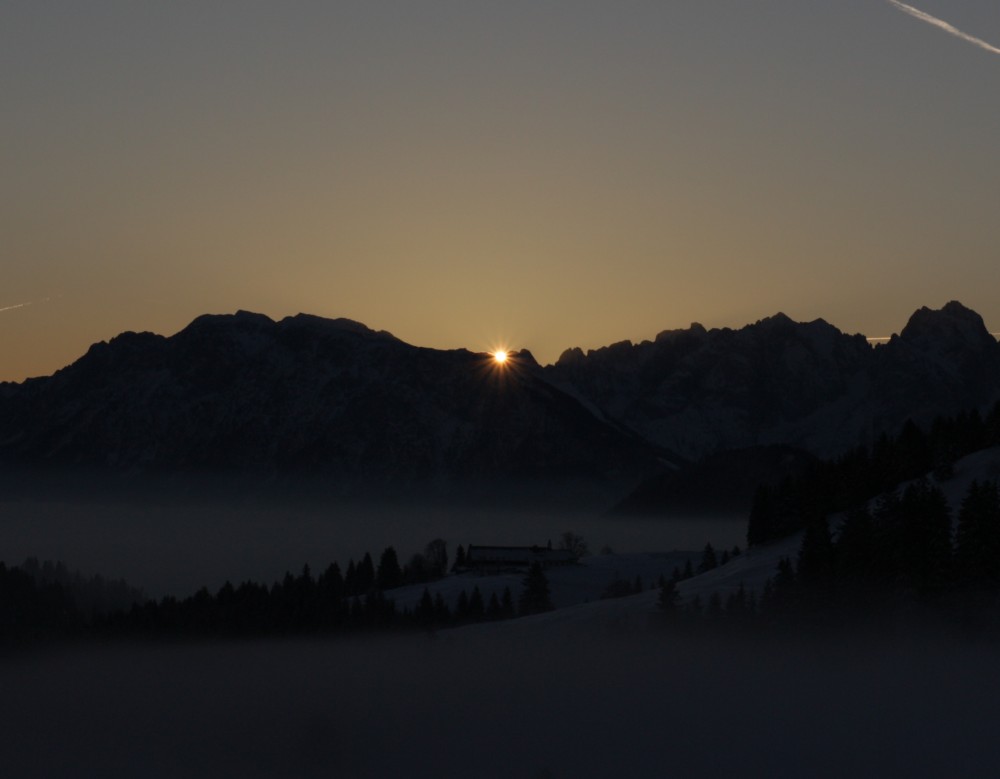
808	385
330	401
264	402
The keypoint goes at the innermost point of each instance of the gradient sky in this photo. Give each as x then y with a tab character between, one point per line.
541	174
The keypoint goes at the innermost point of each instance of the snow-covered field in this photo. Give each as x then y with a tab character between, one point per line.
569	585
576	589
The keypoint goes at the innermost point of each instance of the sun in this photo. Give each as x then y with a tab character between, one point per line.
500	357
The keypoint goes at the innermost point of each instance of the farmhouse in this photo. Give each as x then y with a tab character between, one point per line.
493	559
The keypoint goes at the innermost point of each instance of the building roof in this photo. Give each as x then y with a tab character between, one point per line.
517	555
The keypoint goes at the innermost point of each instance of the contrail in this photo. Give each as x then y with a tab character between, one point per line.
27	303
881	339
943	25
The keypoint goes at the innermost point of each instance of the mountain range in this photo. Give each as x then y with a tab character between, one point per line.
260	401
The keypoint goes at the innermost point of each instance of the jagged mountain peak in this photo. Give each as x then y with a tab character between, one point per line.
307	397
249	321
130	338
779	381
780	319
125	348
524	357
572	356
242	320
332	326
333	396
952	325
696	330
785	325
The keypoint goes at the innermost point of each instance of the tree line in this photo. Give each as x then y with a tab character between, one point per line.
40	601
863	473
901	557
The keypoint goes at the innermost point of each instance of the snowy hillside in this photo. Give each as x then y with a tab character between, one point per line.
569	585
576	589
573	587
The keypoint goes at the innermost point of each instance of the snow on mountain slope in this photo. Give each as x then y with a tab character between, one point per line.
354	409
807	384
311	398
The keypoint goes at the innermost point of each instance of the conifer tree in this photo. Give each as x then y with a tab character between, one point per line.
424	614
535	592
856	549
389	573
708	560
351	579
780	592
667	602
759	525
436	555
977	538
926	537
365	575
477	609
815	566
737	605
506	604
332	582
459	559
462	606
416	570
442	613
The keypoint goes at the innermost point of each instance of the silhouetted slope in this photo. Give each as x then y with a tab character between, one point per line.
942	362
309	397
776	381
306	397
723	483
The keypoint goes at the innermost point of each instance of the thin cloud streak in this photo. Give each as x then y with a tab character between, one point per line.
943	25
16	305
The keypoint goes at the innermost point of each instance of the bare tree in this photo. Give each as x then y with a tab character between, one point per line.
574	543
436	554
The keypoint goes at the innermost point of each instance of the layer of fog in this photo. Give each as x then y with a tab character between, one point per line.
648	703
177	549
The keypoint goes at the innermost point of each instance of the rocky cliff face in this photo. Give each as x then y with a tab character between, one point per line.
779	382
942	361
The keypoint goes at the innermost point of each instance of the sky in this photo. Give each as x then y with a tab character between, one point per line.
536	175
